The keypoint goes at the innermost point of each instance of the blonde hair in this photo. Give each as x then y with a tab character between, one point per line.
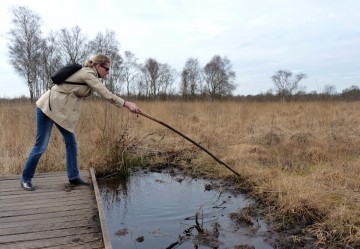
97	59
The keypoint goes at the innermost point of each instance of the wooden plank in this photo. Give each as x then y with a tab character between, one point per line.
10	213
90	240
26	194
49	204
83	173
50	225
19	191
41	187
39	219
36	182
46	235
44	200
42	197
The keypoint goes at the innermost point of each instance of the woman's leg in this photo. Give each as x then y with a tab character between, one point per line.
43	131
71	153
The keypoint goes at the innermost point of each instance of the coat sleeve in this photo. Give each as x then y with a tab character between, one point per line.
90	78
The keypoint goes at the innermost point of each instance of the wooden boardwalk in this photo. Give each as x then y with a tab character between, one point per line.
55	215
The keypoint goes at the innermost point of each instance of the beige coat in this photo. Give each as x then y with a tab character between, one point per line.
62	103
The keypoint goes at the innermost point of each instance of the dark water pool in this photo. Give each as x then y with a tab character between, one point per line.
155	210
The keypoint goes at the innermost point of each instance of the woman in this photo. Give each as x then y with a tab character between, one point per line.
61	106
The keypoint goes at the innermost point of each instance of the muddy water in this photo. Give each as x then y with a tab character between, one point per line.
155	210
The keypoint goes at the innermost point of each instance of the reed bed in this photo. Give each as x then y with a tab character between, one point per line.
300	160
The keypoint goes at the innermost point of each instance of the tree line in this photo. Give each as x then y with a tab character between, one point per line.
351	93
34	58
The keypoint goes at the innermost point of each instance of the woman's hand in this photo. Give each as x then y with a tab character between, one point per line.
132	107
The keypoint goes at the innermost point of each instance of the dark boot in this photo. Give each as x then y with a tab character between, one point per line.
78	181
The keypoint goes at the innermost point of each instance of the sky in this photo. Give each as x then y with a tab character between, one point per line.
319	38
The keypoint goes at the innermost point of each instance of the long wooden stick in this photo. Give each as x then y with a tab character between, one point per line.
189	139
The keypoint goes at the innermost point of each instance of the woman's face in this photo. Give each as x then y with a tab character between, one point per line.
103	69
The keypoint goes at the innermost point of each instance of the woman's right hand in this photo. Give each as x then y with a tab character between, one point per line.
132	107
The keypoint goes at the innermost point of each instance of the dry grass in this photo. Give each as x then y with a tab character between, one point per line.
300	159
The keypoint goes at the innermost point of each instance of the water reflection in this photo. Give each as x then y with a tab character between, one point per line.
158	211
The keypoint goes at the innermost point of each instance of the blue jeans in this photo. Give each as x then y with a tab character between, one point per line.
43	131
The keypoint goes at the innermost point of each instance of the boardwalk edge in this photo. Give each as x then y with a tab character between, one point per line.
104	229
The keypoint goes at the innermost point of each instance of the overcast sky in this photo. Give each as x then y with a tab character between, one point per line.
320	38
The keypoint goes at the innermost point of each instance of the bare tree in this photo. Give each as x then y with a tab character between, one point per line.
143	83
151	74
329	89
190	78
130	71
107	43
25	46
156	79
50	61
351	93
219	77
285	84
73	45
167	77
